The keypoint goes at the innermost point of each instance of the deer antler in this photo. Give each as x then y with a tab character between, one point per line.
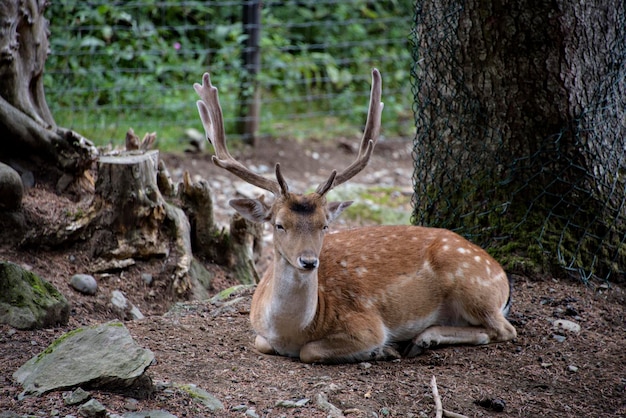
213	121
370	136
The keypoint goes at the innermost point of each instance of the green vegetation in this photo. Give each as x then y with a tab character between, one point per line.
115	65
56	343
379	205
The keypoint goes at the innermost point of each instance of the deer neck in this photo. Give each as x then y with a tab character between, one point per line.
293	296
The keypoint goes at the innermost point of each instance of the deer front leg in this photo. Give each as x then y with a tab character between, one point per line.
350	346
261	344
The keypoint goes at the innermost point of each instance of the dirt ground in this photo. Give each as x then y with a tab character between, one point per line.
543	373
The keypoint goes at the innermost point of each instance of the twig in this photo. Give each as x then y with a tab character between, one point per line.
450	414
438	406
439	411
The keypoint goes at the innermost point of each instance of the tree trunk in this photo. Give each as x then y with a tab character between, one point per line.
520	110
31	140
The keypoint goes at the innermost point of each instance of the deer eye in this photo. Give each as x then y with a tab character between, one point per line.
279	227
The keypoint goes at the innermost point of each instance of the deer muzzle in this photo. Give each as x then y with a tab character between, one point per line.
308	261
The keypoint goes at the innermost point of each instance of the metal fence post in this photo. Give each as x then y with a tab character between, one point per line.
249	97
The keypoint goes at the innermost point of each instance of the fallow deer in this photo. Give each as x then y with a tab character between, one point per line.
364	293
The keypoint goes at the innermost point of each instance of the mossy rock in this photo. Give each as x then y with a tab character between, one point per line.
29	302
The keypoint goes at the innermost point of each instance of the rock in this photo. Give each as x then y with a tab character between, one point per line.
29	302
566	325
202	396
131	404
76	397
322	403
147	278
118	300
239	408
11	189
252	413
103	265
92	408
123	308
493	404
103	357
12	227
151	414
292	404
135	313
229	292
84	283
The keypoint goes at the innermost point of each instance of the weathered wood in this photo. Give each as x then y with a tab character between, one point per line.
235	249
245	239
133	220
32	142
130	207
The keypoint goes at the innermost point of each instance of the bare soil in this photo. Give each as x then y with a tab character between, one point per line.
544	372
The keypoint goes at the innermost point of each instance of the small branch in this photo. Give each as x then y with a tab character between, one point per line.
450	414
439	411
438	406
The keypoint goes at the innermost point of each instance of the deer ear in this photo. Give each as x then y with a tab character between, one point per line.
335	208
255	210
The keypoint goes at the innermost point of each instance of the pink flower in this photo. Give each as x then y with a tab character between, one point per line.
177	45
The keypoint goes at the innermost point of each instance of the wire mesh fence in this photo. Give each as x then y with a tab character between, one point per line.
547	185
117	64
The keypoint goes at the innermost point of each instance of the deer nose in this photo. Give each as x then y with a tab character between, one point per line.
308	262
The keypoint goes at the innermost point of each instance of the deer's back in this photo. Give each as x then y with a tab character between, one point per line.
406	272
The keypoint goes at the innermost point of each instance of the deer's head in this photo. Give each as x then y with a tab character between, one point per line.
299	220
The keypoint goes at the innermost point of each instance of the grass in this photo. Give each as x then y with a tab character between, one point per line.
383	205
170	116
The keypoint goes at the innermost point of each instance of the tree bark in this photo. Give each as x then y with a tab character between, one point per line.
31	141
130	207
235	249
520	110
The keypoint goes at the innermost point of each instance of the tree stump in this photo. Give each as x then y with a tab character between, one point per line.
138	213
130	207
235	249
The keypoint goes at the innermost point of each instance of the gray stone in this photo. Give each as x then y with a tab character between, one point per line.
292	404
124	309
252	413
151	414
201	396
147	278
11	189
78	396
29	302
567	325
118	300
103	356
84	283
92	408
135	313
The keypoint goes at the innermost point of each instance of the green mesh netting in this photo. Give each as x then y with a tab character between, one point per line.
521	130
